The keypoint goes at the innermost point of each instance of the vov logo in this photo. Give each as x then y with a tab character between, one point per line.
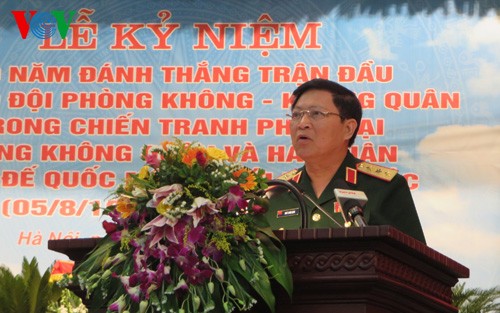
43	24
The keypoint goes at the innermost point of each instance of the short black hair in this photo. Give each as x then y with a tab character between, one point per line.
344	99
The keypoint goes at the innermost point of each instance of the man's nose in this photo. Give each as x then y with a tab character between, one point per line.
305	120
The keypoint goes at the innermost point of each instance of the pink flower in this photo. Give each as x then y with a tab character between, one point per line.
181	286
118	305
201	158
153	160
200	208
134	292
109	227
258	209
161	193
234	198
159	228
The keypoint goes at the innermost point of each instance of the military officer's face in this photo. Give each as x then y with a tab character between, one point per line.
317	137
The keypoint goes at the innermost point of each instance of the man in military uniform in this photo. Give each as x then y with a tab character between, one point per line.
325	119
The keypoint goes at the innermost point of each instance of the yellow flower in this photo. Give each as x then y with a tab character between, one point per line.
250	183
125	206
221	243
144	172
163	208
129	183
217	154
239	229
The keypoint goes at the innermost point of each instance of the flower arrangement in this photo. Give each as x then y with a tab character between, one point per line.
186	234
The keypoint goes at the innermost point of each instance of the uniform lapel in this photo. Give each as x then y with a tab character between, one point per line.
347	165
328	197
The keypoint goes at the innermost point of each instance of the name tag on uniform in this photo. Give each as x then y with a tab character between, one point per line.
287	213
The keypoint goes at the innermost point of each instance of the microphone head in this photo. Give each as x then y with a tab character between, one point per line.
351	201
355	197
352	207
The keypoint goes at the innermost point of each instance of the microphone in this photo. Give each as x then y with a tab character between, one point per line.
351	202
298	195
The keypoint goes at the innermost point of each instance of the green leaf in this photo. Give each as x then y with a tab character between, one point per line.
276	256
262	286
27	292
475	300
96	257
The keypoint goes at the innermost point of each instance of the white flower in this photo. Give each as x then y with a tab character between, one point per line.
138	192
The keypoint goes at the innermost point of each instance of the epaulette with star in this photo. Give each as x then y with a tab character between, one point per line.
377	171
291	175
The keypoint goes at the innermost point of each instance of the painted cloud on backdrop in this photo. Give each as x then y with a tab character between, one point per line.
459	170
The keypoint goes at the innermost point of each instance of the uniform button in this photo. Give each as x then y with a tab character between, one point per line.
316	217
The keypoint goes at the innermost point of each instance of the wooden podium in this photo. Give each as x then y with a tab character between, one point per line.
373	269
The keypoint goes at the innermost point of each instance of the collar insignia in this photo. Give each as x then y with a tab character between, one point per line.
351	175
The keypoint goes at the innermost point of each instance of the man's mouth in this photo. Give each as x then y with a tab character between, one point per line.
302	137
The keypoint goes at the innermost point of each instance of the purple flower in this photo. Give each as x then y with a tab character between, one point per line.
197	275
139	259
183	256
234	198
158	252
163	273
131	287
148	280
197	236
116	236
117	218
212	252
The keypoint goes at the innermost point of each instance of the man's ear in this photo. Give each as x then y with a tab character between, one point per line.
350	127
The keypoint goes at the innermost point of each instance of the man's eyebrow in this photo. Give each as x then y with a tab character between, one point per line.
313	106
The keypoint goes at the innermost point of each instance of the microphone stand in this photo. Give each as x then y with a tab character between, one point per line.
321	209
317	206
298	195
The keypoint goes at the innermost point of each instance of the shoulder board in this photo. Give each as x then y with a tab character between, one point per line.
378	171
291	175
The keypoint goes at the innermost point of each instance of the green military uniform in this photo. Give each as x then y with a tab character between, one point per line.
389	199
